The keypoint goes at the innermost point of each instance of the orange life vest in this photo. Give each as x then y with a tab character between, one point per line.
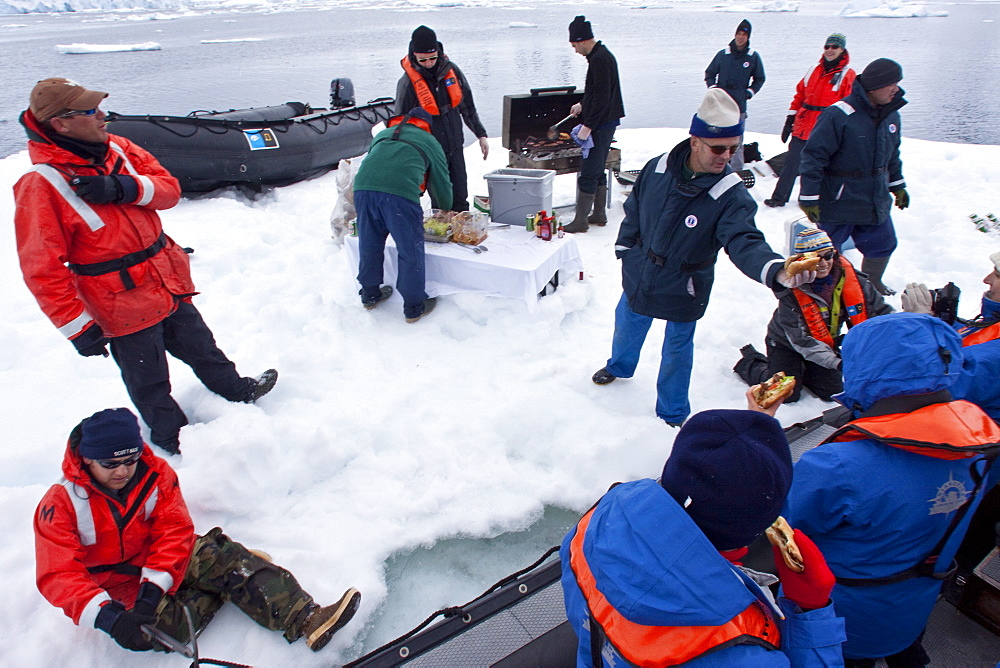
665	645
848	292
424	94
959	429
980	335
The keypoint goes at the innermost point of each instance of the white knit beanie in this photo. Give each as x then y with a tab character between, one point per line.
718	116
995	259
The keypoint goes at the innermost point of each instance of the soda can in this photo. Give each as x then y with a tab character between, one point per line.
529	222
354	228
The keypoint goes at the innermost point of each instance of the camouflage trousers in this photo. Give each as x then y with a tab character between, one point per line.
223	570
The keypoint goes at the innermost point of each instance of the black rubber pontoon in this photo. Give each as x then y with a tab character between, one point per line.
253	148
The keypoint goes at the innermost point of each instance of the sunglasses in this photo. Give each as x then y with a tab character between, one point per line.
79	112
112	464
424	60
719	150
828	256
829	47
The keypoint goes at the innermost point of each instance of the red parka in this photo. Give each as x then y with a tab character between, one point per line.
55	227
91	548
817	90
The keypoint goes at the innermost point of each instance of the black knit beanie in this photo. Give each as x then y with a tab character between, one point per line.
744	26
579	30
423	40
881	73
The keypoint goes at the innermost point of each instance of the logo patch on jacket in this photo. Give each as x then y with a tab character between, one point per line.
691	220
746	63
949	498
450	81
892	128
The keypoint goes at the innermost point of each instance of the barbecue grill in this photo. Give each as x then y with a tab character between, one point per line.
526	122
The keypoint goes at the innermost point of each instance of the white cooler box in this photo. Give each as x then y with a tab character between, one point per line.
514	193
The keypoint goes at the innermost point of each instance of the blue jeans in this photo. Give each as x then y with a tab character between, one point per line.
676	359
592	168
379	215
142	358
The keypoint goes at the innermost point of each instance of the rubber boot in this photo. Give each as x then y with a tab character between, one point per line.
875	268
584	205
600	215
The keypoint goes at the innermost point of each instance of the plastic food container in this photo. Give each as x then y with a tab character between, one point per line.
438	226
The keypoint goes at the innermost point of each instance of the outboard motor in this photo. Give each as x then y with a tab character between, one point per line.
341	93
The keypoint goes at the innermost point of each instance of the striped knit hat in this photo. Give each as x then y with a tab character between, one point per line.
837	39
812	239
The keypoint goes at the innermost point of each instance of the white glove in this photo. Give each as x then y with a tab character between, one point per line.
917	298
796	281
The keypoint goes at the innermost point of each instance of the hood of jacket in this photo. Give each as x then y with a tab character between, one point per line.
655	566
899	354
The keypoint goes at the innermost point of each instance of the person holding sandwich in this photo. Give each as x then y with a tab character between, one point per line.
653	574
803	337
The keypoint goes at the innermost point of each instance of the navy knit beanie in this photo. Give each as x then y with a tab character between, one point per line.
422	114
881	73
744	26
731	470
108	434
579	30
423	40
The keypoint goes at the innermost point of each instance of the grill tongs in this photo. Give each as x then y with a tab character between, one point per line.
554	129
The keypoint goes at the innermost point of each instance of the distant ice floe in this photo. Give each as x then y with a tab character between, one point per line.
521	24
35	6
106	48
757	7
232	41
886	9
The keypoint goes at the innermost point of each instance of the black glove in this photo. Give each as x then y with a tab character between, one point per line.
98	189
786	131
749	93
126	625
91	341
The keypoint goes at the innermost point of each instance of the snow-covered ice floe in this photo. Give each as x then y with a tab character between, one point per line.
521	24
106	48
757	7
865	9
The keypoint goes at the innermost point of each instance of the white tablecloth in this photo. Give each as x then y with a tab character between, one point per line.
517	265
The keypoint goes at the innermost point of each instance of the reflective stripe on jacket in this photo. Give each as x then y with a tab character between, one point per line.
848	293
424	94
91	547
646	645
54	227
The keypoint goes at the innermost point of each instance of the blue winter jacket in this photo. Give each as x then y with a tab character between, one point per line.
981	370
851	162
670	238
656	567
732	71
875	510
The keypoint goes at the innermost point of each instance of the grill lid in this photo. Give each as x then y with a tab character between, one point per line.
531	115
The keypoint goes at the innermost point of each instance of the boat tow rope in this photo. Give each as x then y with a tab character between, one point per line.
455	611
187	649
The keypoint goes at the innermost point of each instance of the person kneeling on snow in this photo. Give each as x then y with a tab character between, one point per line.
803	337
653	569
116	549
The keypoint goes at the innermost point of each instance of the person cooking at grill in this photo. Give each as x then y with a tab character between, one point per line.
116	549
803	337
402	161
600	112
850	173
432	81
686	205
652	575
889	496
94	254
823	84
739	71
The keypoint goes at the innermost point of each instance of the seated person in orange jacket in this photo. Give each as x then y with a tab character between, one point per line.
803	337
116	549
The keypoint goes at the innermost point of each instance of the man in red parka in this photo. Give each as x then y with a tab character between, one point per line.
823	84
94	254
116	549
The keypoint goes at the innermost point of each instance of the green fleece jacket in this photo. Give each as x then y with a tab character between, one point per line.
398	168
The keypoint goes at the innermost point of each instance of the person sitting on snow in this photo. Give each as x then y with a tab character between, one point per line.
980	340
654	567
804	333
116	549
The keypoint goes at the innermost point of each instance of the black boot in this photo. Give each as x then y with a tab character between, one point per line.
600	215
584	205
875	268
752	367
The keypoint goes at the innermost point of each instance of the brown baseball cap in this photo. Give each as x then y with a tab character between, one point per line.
52	96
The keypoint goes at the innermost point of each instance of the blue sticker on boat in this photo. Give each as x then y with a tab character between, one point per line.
261	139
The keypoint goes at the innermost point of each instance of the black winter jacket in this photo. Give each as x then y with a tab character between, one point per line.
602	97
670	238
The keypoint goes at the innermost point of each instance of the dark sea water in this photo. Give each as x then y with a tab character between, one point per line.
951	64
